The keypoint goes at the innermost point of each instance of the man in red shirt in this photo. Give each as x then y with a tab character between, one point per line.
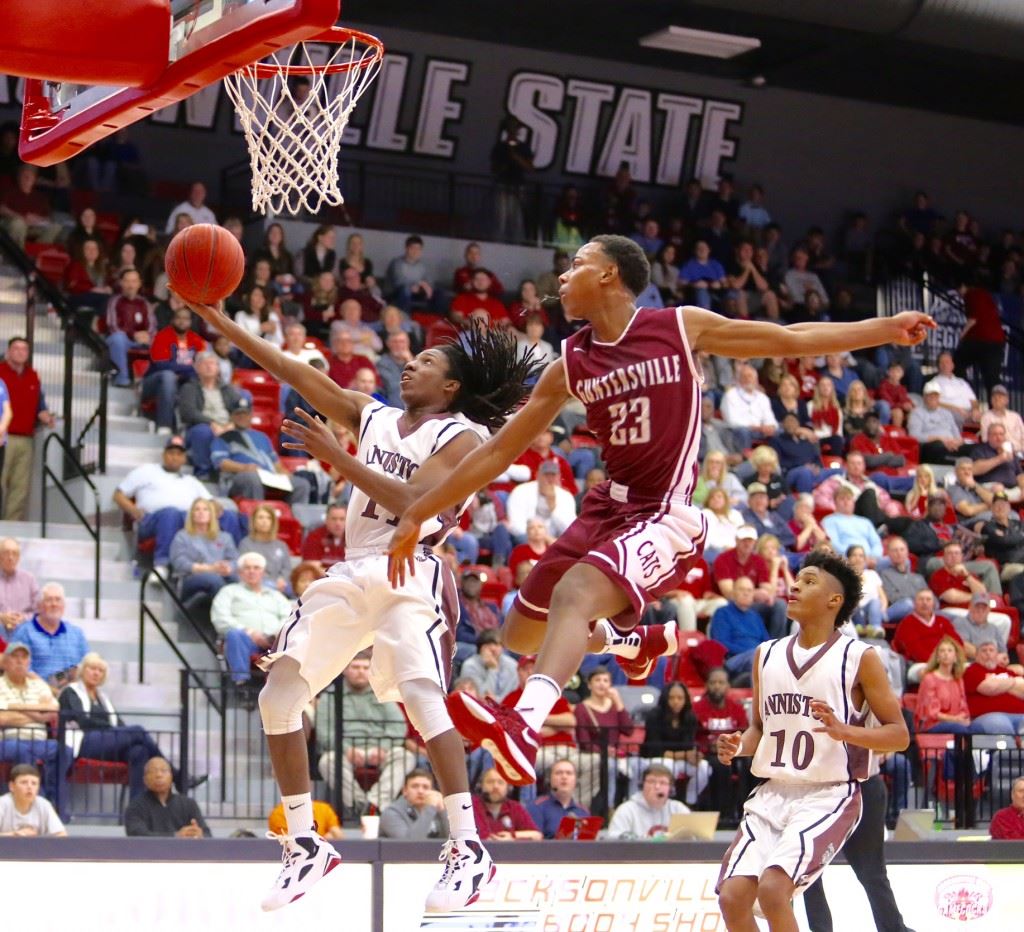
995	694
478	296
696	598
537	541
172	358
499	817
1008	824
557	741
326	544
981	343
720	715
28	410
742	561
955	585
540	451
130	324
879	450
25	212
463	280
345	362
918	633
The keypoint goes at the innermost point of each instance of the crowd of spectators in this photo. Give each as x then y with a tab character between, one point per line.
903	469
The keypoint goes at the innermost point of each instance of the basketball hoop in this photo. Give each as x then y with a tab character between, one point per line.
294	143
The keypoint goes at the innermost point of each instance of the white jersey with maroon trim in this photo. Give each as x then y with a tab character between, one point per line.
385	446
791	749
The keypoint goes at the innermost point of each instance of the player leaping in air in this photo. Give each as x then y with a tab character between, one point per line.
813	692
454	395
635	372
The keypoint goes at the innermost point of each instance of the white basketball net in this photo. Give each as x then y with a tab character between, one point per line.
294	144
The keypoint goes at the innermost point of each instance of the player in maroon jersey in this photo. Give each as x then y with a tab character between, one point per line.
634	371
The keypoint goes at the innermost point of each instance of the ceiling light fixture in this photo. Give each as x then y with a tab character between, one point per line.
700	42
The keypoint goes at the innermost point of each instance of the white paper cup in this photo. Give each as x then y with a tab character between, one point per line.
371	826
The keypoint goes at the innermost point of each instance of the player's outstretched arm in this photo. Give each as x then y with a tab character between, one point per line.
321	392
742	339
314	437
891	734
743	744
483	465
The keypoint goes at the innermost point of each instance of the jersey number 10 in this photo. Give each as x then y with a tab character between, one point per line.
801	752
631	421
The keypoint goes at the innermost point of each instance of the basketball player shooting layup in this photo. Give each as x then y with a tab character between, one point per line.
636	373
812	693
453	395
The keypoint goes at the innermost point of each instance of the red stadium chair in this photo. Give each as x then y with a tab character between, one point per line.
248	505
440	333
268	423
260	385
52	262
102	772
289	532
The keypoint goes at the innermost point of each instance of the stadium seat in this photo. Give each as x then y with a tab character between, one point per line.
248	505
102	772
269	423
440	333
262	387
289	532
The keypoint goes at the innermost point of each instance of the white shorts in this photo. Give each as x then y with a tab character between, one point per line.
798	827
411	629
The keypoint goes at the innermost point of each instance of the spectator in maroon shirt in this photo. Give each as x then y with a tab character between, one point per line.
537	542
717	715
982	340
540	451
919	633
498	817
478	296
995	693
345	362
463	280
353	288
25	212
742	561
130	324
171	363
1008	824
893	391
326	544
28	411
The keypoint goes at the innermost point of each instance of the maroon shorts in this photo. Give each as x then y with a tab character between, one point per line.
643	547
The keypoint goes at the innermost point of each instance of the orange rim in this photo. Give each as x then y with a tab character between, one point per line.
337	35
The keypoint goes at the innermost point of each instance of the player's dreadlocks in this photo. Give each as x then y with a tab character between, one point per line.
842	573
495	375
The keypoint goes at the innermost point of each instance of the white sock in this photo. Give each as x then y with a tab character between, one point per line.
539	696
298	813
461	823
620	643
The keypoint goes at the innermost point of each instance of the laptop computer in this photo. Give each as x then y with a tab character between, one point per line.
692	826
584	829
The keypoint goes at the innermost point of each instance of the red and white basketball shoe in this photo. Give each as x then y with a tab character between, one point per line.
512	743
655	641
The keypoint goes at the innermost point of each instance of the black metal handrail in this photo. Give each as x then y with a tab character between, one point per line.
145	612
71	462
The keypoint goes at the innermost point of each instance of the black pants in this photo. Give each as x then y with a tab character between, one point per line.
935	452
865	853
984	357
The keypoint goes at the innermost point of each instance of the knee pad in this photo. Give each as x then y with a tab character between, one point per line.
283	698
424	704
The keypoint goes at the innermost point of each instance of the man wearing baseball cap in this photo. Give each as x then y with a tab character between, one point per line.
543	498
240	454
157	497
999	413
27	707
935	429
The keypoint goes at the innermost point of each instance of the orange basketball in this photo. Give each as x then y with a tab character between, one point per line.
204	263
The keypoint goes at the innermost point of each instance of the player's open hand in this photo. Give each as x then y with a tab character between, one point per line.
729	746
402	551
831	725
314	437
910	328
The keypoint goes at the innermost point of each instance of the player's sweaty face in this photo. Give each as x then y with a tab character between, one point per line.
579	281
424	377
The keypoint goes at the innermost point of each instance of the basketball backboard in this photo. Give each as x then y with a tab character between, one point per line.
208	40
